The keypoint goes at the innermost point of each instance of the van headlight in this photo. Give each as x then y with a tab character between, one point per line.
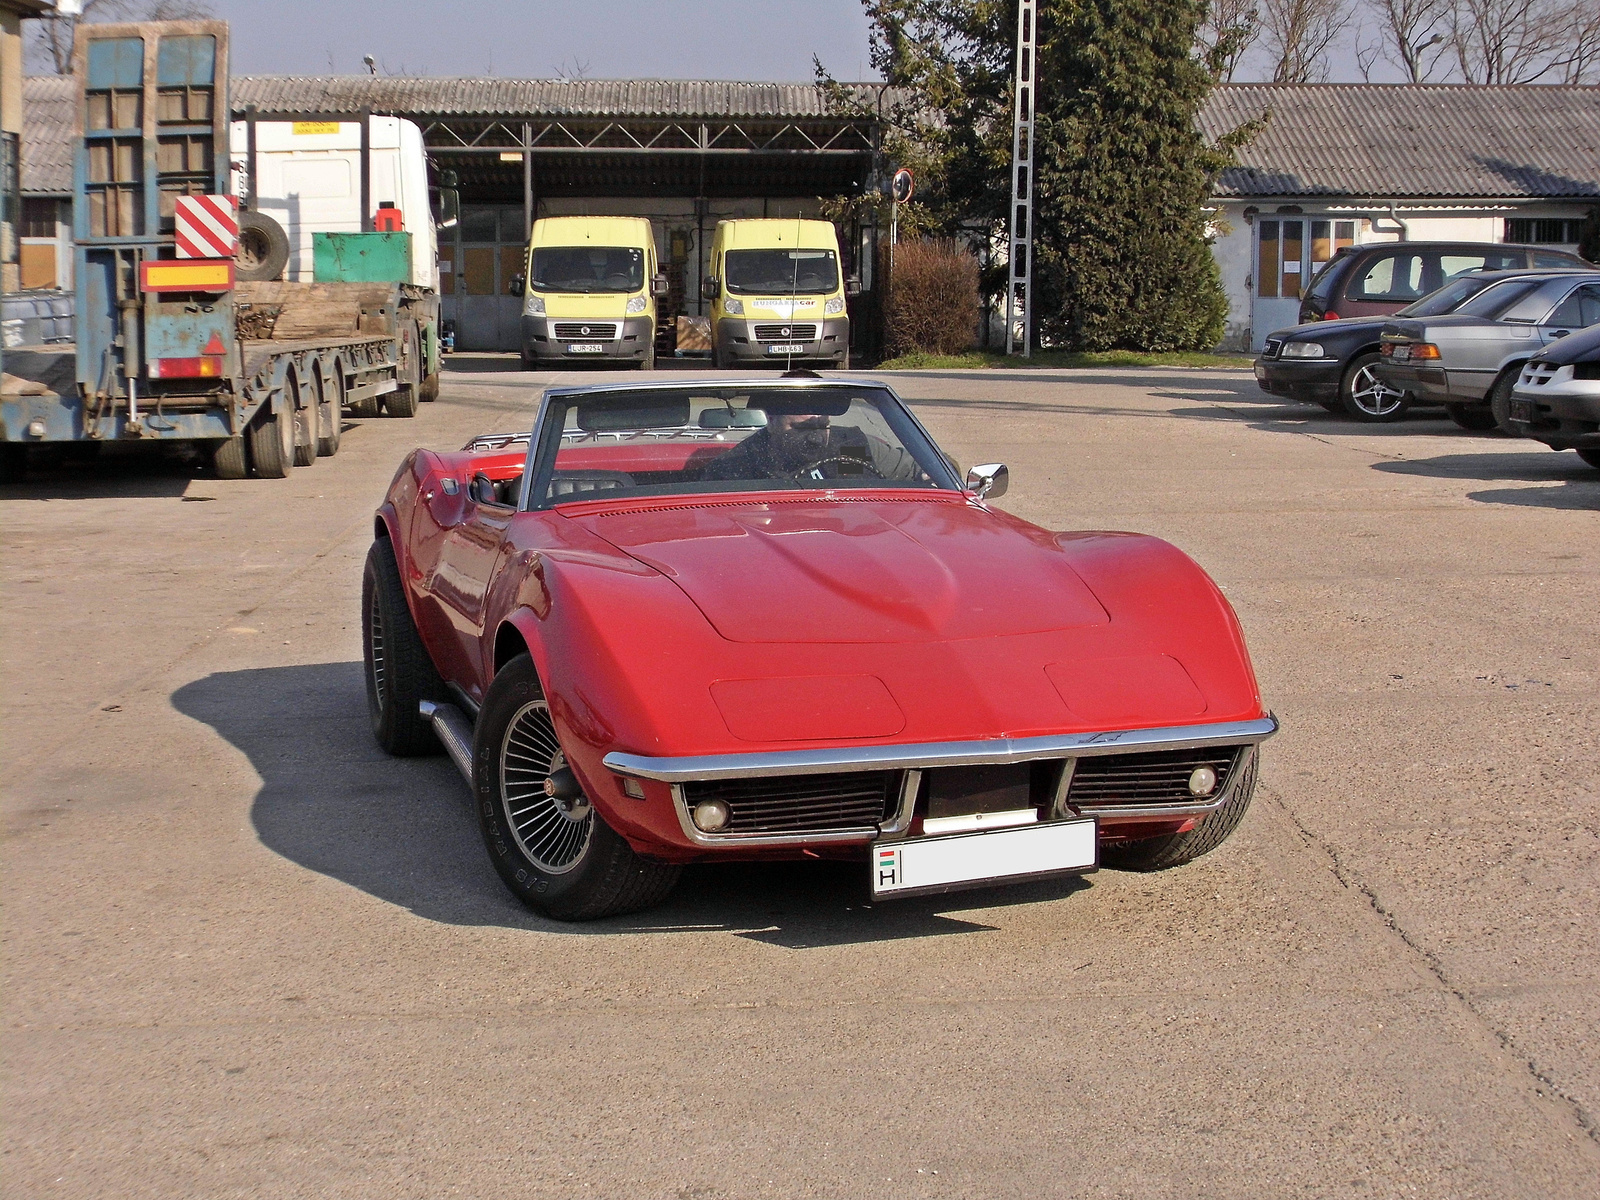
635	305
834	306
533	306
733	306
1301	350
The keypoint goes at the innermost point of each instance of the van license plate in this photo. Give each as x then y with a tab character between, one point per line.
918	866
786	349
585	348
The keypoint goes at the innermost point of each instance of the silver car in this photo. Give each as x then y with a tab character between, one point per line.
1469	361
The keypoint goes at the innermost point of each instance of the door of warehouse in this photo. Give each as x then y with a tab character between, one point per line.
1286	261
488	250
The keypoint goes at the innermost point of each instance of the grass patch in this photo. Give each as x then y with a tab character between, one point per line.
977	359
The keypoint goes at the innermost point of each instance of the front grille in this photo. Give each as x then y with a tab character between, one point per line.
1161	777
1270	350
1538	374
786	333
586	331
801	803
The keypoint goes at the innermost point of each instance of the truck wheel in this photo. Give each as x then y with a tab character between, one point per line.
306	433
228	459
1475	419
1368	398
1159	853
402	402
557	855
1500	399
263	247
271	438
330	414
400	675
429	391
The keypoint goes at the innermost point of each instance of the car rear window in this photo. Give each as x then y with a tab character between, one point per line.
1533	303
1549	258
1493	301
1390	277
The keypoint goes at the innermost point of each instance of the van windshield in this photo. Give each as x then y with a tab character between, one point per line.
782	272
587	269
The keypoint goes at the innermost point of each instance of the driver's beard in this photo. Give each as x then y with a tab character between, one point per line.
794	448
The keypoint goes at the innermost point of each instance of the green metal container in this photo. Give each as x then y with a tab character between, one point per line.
361	257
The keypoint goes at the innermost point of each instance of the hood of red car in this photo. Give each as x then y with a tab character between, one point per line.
862	571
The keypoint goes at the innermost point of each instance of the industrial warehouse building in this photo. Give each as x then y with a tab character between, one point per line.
1334	164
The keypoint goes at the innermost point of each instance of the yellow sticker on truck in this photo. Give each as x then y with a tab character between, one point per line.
305	128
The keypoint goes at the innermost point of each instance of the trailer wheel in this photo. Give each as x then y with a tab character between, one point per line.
228	459
402	402
271	438
263	247
330	413
306	420
430	389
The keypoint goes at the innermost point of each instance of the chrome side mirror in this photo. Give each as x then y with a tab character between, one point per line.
989	481
517	286
852	286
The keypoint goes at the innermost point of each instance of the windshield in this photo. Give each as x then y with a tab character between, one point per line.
781	272
587	269
611	444
1447	299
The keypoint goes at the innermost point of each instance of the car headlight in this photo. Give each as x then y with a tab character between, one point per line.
533	306
834	306
732	306
636	305
1301	350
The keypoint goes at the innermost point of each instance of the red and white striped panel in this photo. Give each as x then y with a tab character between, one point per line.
207	226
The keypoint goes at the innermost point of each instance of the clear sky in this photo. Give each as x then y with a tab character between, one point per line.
769	40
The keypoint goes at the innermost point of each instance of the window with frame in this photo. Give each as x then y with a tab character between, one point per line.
1579	310
1543	231
1391	277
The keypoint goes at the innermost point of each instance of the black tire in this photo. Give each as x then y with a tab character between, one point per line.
529	362
367	406
1335	406
271	439
402	402
587	871
330	413
399	673
307	420
228	459
1365	397
1175	849
1500	399
716	358
844	363
648	362
1476	419
429	391
263	247
1590	456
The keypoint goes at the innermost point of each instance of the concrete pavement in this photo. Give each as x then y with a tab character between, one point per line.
245	954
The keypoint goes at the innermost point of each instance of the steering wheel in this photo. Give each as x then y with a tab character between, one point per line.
866	465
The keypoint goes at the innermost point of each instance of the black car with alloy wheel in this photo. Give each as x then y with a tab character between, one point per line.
1331	362
1470	360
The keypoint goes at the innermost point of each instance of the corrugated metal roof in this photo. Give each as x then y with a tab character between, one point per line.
532	97
47	135
1398	141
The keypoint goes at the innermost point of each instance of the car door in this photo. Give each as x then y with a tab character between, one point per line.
1578	310
473	543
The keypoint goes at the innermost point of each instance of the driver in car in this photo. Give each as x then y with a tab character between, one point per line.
803	447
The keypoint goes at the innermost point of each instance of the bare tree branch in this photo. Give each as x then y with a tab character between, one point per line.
1510	41
1414	35
1297	35
1230	28
51	47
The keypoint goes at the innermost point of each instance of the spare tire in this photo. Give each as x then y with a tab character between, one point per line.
263	247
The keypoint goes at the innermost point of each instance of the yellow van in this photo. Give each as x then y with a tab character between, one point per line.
590	288
778	295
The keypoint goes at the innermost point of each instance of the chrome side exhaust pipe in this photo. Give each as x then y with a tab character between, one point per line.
454	732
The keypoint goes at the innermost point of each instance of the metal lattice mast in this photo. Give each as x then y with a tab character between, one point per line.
1019	284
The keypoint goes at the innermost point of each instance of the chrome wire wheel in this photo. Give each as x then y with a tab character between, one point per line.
551	833
377	647
1371	395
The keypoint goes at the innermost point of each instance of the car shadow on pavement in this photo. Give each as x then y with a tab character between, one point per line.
1574	484
402	830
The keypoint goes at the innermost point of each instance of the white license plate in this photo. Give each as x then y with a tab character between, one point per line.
942	864
586	348
801	349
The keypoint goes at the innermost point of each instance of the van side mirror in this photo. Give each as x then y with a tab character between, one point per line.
852	286
517	285
989	480
708	289
658	286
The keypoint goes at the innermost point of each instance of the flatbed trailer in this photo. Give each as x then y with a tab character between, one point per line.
256	375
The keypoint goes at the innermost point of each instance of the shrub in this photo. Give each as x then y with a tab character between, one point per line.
933	298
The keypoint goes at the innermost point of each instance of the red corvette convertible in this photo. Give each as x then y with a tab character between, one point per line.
692	621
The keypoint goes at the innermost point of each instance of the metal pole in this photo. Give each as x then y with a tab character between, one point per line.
527	182
366	171
1019	282
250	158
